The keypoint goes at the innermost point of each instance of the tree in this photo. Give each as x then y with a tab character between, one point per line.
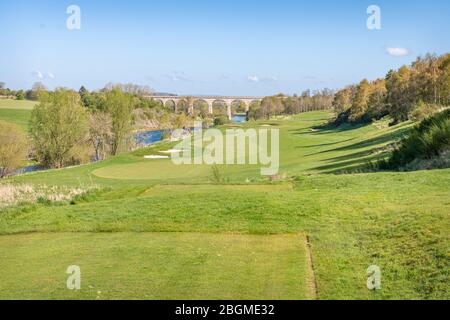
37	89
13	148
444	80
377	100
84	95
400	97
100	134
343	99
20	95
120	106
360	102
58	125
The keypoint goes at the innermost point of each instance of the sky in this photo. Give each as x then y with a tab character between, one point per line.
251	48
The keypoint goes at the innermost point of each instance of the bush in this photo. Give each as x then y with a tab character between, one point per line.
428	140
13	148
20	95
221	120
423	110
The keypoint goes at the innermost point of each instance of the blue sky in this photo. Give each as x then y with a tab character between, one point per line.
214	47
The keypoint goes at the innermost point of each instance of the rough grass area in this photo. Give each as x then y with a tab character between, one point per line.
14	194
155	266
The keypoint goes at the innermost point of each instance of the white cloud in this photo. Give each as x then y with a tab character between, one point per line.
41	75
176	76
38	74
253	78
269	79
397	52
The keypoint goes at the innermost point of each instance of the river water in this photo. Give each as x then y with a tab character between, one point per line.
150	137
142	138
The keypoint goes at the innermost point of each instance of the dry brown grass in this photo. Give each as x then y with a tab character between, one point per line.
13	194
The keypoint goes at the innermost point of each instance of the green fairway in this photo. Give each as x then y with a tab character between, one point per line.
16	111
18	117
155	266
397	221
17	104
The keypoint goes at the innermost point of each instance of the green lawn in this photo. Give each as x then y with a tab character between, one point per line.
398	221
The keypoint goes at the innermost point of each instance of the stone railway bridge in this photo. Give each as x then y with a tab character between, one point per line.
210	100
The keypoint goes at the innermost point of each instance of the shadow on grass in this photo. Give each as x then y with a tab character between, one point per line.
327	129
382	139
353	163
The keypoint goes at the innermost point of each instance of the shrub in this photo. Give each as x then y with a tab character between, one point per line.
20	95
13	148
221	120
423	110
430	139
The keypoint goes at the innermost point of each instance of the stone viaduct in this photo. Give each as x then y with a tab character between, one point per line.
210	100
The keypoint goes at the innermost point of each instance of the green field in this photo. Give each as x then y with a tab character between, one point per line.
160	214
16	111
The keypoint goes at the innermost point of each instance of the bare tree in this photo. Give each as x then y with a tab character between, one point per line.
100	134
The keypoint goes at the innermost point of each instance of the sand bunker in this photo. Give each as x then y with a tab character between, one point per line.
171	151
156	157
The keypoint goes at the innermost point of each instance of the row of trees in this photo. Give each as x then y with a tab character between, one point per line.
411	92
288	105
32	94
63	132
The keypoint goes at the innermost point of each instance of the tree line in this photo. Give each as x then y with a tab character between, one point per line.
413	91
289	105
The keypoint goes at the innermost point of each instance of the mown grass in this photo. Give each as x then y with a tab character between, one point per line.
18	117
398	221
155	266
17	104
16	111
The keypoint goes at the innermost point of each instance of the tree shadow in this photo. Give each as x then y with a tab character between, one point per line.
352	163
382	139
325	144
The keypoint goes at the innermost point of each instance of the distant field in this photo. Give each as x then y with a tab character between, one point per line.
18	117
17	104
16	111
155	266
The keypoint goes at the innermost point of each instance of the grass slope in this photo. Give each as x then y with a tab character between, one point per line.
398	221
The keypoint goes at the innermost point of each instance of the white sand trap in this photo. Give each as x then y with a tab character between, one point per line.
266	125
172	151
156	157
